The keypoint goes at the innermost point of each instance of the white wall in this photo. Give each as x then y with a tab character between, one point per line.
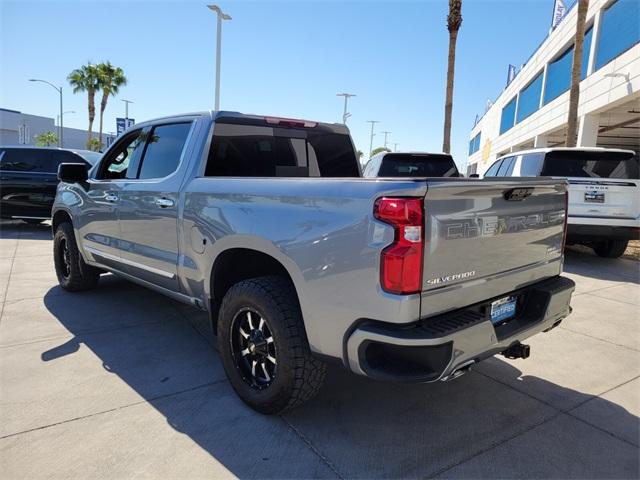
598	91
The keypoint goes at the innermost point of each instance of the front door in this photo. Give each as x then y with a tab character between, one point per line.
98	226
149	204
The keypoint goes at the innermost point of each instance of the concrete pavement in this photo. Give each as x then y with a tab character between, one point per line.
116	383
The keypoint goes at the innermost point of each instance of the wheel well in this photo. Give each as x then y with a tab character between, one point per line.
235	265
59	217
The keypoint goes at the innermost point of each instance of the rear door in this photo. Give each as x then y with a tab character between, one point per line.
28	182
602	184
149	205
480	229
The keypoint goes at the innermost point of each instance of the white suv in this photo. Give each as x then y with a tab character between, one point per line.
604	191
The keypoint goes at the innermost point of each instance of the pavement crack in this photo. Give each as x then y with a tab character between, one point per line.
312	447
115	409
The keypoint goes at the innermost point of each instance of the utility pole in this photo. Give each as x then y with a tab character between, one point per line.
221	16
395	147
372	122
345	114
385	138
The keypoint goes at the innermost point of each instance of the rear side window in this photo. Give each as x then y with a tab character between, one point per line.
26	160
260	151
414	165
531	164
164	149
576	163
493	169
507	167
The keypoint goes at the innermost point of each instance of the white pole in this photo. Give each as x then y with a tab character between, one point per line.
218	52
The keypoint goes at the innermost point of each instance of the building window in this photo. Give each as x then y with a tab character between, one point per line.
559	71
507	120
529	99
619	30
474	144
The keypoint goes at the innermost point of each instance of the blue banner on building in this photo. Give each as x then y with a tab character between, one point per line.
511	73
123	123
559	11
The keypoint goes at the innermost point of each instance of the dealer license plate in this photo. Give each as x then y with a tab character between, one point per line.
503	309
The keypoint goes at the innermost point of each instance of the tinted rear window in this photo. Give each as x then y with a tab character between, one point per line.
414	165
265	151
26	160
590	164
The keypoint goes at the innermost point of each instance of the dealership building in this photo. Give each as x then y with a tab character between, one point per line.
532	110
18	128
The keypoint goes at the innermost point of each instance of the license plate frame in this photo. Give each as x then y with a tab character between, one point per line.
503	309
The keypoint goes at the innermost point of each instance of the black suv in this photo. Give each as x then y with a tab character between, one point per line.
29	177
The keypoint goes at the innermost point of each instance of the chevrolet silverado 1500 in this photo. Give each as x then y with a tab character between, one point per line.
265	223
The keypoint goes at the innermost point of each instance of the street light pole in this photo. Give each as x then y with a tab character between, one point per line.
385	138
395	147
372	122
60	120
345	114
126	112
221	16
59	90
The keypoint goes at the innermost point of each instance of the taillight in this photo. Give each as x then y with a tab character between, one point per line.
401	262
566	219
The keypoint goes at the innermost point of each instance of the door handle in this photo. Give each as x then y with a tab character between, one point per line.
111	197
164	202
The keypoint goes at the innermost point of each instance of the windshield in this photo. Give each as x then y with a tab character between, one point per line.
91	157
417	165
562	163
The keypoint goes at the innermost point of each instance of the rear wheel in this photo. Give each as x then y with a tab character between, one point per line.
264	347
73	273
611	248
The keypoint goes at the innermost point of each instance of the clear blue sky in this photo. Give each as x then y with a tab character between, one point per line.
279	58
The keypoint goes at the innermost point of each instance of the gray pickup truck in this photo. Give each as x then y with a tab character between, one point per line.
266	224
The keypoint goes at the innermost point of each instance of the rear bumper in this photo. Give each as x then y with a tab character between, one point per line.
435	348
577	233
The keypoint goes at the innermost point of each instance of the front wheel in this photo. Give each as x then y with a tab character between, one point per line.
73	273
264	347
611	248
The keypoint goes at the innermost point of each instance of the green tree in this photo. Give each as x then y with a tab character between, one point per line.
94	144
454	20
376	151
46	139
111	78
576	69
86	79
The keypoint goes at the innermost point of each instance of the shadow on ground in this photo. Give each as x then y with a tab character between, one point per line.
582	261
355	427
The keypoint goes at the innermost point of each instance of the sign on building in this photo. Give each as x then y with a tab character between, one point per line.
122	124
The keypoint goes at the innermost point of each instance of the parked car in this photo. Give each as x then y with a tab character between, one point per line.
411	164
29	177
604	191
397	279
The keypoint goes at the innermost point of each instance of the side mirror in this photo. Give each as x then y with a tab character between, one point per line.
474	175
72	172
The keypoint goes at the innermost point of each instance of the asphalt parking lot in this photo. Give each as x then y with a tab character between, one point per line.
116	383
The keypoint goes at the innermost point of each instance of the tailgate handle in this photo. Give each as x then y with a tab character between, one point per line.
517	194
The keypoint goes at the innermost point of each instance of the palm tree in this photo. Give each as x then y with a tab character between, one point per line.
454	20
85	79
576	70
111	79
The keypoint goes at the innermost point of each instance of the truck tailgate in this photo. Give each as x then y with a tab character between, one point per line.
480	230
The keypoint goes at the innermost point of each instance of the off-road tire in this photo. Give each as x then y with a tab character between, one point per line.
611	248
299	375
76	275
